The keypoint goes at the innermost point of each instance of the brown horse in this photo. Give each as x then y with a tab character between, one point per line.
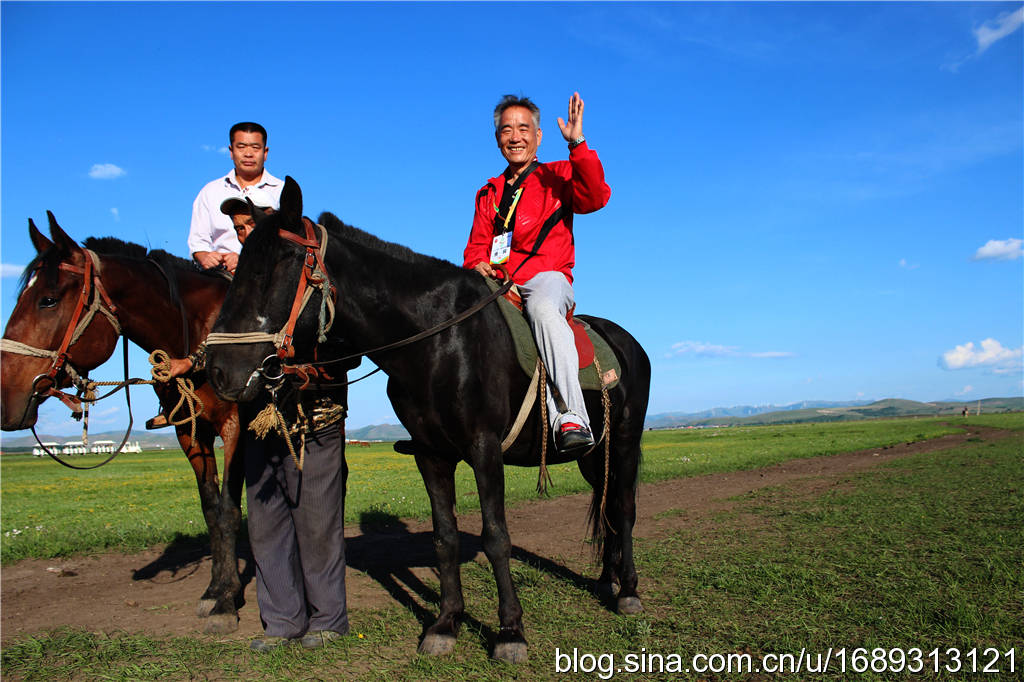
153	298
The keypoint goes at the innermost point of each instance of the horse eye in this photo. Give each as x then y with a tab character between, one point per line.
47	302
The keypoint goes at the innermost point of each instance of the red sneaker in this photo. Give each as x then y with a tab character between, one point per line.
571	437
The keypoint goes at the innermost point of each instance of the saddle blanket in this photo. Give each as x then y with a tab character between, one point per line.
589	344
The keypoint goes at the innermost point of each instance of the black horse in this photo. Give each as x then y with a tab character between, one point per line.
457	391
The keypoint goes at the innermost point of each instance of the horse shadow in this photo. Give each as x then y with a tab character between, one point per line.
386	551
183	557
376	553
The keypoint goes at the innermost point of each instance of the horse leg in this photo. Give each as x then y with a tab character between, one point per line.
439	478
510	645
225	581
201	456
625	462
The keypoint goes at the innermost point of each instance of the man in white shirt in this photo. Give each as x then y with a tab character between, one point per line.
211	238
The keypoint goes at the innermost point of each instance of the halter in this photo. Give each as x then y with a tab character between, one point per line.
314	276
93	295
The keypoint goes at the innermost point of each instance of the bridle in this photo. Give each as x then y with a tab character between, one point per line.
92	299
313	277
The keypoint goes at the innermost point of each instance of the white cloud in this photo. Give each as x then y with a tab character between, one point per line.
214	148
908	266
1000	249
10	270
716	351
989	354
966	389
105	171
117	214
992	31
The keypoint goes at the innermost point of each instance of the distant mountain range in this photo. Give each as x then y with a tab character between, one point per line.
165	439
820	411
806	411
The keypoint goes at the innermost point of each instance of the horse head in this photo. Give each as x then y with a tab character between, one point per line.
47	334
265	318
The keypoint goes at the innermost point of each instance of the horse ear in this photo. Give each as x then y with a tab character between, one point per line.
38	239
291	205
61	239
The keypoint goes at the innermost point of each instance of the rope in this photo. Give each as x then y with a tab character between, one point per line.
12	346
161	372
543	477
227	338
606	404
271	418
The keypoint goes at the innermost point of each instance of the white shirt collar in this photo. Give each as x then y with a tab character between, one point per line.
266	180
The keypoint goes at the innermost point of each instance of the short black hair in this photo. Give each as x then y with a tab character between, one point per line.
509	101
247	127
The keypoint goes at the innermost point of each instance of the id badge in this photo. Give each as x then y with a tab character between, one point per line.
500	248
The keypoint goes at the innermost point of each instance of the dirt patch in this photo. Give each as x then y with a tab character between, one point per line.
155	592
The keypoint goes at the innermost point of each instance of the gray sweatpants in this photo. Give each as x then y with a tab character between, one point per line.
296	529
547	298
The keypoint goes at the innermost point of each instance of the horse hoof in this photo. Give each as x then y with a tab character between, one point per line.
437	645
220	624
205	607
510	652
630	606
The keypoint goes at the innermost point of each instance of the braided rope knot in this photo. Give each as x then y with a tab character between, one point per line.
161	372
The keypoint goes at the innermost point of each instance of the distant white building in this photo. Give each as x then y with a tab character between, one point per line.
73	447
38	451
107	446
76	447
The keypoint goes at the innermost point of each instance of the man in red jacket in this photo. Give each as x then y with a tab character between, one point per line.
523	220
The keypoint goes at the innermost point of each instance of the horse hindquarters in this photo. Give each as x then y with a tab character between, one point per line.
629	408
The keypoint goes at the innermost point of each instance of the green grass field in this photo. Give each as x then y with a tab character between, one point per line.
141	500
925	551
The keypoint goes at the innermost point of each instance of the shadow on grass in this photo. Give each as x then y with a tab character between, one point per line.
387	552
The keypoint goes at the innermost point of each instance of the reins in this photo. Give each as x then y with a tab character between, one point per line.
128	399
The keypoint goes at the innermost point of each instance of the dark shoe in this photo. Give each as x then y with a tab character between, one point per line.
157	422
572	437
317	639
266	644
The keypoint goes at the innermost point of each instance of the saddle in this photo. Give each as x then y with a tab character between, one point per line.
590	346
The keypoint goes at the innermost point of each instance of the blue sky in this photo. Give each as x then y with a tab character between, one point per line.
809	200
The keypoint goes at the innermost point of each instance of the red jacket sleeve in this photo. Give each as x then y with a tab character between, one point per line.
589	190
478	248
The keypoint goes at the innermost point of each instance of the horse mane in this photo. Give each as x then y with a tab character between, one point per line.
49	260
112	246
340	230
